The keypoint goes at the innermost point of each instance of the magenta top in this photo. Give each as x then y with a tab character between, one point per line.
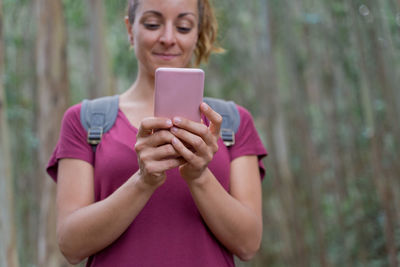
169	231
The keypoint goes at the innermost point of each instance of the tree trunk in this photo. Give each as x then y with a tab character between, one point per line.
8	245
376	139
100	76
52	102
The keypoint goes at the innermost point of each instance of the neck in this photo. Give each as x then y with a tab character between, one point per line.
143	88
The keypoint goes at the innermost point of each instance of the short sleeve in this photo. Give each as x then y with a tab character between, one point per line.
247	140
71	143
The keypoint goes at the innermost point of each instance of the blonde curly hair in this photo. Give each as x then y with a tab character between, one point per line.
208	30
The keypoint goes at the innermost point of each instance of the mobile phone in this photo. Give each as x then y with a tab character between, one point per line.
178	92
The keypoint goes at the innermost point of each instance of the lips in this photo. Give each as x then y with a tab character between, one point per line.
166	56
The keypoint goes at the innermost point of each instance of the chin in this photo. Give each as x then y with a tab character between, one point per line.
170	65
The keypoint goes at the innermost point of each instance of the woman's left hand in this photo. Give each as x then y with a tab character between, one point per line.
202	140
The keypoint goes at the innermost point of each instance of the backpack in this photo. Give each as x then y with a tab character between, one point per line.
98	116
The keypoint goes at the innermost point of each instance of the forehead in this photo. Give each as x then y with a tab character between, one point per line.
168	7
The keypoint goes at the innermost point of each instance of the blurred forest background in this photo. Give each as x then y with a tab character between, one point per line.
321	78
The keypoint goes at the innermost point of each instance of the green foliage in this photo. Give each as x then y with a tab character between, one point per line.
75	13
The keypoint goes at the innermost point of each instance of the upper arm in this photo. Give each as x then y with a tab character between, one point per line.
245	183
75	187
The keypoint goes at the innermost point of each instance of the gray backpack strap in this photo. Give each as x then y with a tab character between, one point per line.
98	116
230	118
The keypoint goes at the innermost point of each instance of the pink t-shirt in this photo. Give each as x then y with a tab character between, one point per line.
169	231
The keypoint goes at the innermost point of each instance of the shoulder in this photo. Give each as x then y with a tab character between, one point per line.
244	113
71	119
72	113
246	127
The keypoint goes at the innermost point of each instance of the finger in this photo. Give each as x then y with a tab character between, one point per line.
214	117
160	153
163	165
189	138
194	127
186	153
147	125
168	164
160	138
156	139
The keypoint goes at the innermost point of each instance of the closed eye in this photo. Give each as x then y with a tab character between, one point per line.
184	29
151	26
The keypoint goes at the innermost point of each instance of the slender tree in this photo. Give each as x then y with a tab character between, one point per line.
101	82
52	102
8	245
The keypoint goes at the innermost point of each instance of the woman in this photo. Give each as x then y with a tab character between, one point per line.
143	198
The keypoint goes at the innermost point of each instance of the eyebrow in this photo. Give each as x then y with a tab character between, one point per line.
185	14
158	14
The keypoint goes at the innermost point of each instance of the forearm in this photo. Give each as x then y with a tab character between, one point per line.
92	228
235	225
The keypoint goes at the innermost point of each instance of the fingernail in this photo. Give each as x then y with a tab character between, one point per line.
169	123
174	140
174	129
205	106
177	120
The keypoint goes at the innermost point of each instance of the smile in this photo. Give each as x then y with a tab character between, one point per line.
165	56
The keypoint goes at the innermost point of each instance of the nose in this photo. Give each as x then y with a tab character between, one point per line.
168	37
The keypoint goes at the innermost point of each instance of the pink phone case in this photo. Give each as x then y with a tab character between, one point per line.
178	92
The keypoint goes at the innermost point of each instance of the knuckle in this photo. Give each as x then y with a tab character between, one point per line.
218	118
172	163
147	120
198	142
147	167
144	157
215	148
193	159
210	156
138	146
144	124
203	162
163	135
159	133
203	130
168	149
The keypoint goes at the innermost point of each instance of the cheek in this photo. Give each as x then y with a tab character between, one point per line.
141	44
191	43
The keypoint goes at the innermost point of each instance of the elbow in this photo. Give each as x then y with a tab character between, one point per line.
247	253
70	254
72	260
249	247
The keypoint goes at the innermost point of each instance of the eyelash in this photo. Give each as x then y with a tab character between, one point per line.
154	26
184	29
151	26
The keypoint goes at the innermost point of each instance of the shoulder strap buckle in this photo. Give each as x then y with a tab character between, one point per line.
98	116
94	135
228	136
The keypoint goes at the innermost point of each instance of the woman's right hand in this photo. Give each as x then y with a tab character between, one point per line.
155	151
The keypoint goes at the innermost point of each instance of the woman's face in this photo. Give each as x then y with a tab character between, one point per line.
164	33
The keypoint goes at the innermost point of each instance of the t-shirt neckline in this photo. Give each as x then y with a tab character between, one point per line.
125	119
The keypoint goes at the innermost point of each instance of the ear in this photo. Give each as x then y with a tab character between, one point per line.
129	28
